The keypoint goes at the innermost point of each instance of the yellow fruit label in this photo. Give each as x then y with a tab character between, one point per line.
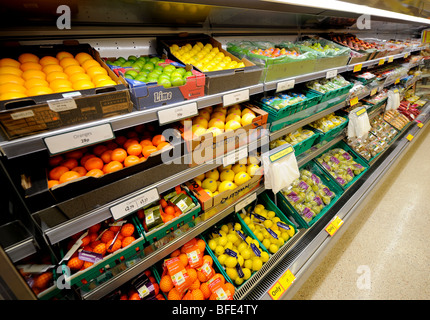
276	291
373	92
420	125
337	222
331	229
361	111
391	59
381	62
287	279
353	101
358	67
397	81
409	137
278	155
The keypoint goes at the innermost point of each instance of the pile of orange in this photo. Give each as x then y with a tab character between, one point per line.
199	288
38	282
30	75
125	150
99	240
132	293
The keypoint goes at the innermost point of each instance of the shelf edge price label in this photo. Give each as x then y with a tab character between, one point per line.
420	124
177	113
276	291
381	62
406	55
79	138
357	67
282	285
287	279
353	101
360	111
287	149
285	85
409	137
242	204
373	92
397	81
391	59
331	74
334	226
133	204
235	97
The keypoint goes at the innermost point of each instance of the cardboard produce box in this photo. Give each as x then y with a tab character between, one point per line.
35	114
216	81
146	95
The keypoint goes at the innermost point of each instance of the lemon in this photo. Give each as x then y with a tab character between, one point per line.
246	253
264	256
251	227
232	238
271	214
266	243
291	231
273	248
280	242
209	193
200	177
246	273
285	236
257	264
221	258
276	220
248	264
241	178
238	281
251	169
268	223
229	245
219	250
238	168
259	236
222	241
226	185
209	184
230	262
240	260
212	174
224	228
237	226
247	220
212	244
232	273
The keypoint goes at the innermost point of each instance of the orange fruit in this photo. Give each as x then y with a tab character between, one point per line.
100	248
107	235
68	61
90	63
10	78
95	71
219	275
12	95
134	149
63	54
75	263
146	142
195	285
230	287
201	276
168	217
60	83
79	76
48	60
12	87
175	253
204	287
162	145
69	176
70	163
105	83
55	160
184	259
166	283
192	273
28	57
37	91
131	160
201	245
85	158
169	210
75	154
119	154
129	142
94	228
197	294
8	62
134	296
57	172
94	163
11	70
99	149
43	280
81	170
174	295
87	265
36	82
83	85
63	89
100	77
52	68
52	183
147	150
56	75
157	139
112	166
120	140
207	258
127	230
127	241
81	57
30	66
106	156
95	173
116	245
72	69
30	74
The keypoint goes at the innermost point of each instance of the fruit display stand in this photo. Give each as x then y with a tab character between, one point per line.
216	81
70	105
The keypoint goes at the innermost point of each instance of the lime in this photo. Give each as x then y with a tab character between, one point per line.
149	66
177	82
140	77
164	82
132	58
169	69
127	64
121	60
131	73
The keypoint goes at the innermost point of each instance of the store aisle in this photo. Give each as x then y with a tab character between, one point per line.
385	252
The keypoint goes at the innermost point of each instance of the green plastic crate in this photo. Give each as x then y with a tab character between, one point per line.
245	231
268	204
306	144
100	268
333	93
292	213
331	134
160	232
355	157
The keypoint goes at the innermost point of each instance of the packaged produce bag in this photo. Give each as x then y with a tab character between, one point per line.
393	100
359	124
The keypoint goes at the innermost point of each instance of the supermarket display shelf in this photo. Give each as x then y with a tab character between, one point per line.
17	241
63	228
316	241
156	255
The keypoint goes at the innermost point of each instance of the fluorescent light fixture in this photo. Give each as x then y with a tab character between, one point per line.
352	8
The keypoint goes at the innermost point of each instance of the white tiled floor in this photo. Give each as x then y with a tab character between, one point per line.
385	252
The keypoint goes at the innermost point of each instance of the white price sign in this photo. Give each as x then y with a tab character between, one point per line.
235	97
177	113
285	85
79	138
331	74
235	156
245	202
133	204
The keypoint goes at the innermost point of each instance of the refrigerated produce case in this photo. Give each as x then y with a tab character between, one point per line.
41	219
